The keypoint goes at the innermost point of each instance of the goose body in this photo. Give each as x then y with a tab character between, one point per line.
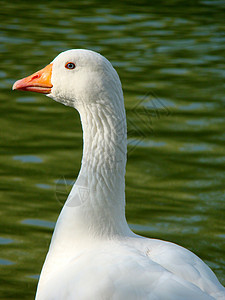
93	253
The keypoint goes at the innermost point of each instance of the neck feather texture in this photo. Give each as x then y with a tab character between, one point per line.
95	207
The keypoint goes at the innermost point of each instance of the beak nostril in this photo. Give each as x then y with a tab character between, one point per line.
35	76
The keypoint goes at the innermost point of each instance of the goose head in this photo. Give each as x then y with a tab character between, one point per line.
76	78
85	80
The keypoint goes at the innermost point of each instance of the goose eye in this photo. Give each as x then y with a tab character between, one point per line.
70	65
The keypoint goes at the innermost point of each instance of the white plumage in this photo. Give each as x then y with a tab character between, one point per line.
93	253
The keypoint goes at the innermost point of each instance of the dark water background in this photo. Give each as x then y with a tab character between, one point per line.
170	57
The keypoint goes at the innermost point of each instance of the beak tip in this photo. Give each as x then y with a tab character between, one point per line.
15	85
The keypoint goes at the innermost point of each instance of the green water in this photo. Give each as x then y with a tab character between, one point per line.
170	59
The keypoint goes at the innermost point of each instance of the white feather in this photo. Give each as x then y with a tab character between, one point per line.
93	253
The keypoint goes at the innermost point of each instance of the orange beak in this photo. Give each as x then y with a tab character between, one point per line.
39	82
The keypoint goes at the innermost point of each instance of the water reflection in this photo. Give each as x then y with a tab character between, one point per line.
6	262
43	186
4	241
39	223
28	158
26	99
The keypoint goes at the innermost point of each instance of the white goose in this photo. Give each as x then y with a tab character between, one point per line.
93	253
